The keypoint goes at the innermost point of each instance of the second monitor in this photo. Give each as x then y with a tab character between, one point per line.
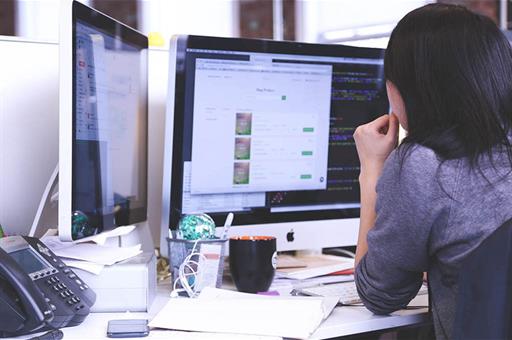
103	123
264	129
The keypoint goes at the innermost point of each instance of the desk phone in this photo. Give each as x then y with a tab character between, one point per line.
38	291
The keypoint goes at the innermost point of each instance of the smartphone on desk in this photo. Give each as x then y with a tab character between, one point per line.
128	328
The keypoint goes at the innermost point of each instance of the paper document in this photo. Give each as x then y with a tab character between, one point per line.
179	335
54	243
317	265
289	261
98	254
102	237
50	232
328	304
217	310
90	267
281	283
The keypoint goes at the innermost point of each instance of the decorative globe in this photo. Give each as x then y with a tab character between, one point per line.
196	227
80	226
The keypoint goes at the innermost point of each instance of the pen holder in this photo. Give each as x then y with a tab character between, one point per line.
210	270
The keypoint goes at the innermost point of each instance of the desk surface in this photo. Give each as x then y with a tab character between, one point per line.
355	320
343	321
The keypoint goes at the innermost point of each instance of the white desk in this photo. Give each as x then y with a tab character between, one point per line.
355	320
343	321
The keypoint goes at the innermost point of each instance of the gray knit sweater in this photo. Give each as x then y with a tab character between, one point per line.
430	216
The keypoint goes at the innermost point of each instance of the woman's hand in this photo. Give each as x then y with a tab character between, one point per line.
374	143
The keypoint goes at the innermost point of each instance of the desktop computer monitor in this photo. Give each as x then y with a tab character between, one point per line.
103	123
264	129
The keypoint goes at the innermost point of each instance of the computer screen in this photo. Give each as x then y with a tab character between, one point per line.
104	121
264	129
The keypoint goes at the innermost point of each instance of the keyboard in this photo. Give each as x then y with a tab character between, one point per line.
347	291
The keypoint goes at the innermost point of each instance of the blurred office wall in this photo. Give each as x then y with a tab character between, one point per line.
39	19
198	17
331	21
303	20
365	23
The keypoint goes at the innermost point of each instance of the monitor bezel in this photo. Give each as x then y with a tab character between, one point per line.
185	42
70	13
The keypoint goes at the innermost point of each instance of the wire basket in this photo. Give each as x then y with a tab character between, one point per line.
179	249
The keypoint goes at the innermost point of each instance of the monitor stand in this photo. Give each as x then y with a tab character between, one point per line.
47	217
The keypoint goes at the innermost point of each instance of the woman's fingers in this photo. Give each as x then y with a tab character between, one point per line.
380	124
376	140
393	126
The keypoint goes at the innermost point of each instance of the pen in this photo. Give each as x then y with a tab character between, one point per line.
227	225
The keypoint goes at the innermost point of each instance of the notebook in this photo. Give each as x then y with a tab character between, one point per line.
223	311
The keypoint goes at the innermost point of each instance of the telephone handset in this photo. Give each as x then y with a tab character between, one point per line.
37	290
28	300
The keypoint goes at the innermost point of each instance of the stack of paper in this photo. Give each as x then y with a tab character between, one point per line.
316	265
95	253
92	254
285	285
298	272
181	335
222	311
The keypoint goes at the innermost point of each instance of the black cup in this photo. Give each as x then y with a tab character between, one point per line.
252	262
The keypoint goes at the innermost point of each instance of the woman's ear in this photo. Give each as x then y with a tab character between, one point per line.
397	103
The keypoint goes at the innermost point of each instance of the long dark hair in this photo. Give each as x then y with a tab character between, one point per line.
453	69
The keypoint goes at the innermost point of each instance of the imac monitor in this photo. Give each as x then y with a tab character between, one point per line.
264	129
103	123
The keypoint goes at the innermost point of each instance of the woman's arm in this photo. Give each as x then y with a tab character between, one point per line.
374	142
367	215
410	201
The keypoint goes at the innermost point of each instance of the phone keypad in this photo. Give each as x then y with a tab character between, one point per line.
50	281
73	300
63	291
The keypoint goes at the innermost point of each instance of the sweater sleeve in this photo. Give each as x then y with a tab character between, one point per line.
409	202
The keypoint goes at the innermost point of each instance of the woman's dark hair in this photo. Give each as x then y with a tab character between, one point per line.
453	69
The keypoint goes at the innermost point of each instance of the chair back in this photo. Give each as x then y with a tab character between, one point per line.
484	298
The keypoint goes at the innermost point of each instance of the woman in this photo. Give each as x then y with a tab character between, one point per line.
431	201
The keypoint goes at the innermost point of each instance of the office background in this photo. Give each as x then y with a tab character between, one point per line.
360	23
366	22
